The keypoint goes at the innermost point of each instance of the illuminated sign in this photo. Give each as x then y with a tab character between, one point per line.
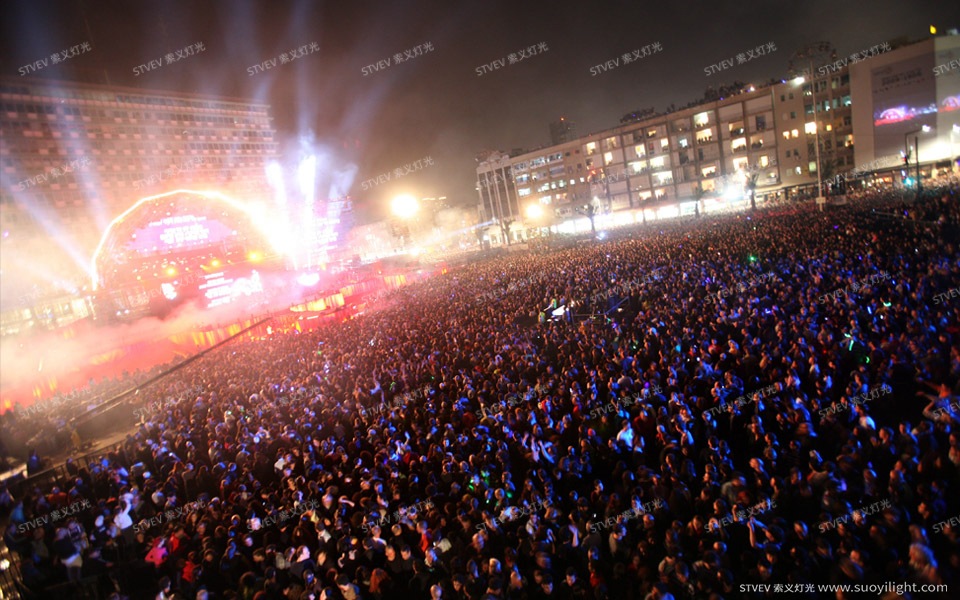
182	230
178	231
903	113
220	289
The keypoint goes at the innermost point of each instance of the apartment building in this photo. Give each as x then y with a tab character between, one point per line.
663	160
656	164
802	106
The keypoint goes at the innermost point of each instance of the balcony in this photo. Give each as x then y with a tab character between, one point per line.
704	141
756	145
737	131
739	149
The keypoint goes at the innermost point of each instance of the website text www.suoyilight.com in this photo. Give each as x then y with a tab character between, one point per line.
877	588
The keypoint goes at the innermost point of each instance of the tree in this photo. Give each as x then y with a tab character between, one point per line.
752	188
505	228
829	167
590	211
698	194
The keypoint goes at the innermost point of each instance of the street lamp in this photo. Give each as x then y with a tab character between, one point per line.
405	206
816	130
534	214
916	149
809	54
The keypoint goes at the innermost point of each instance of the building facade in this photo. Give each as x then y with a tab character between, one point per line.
906	98
802	107
658	164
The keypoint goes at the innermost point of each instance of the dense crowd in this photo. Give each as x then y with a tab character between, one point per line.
46	427
561	424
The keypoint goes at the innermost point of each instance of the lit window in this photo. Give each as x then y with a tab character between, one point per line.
656	162
795	133
764	161
812	167
810	128
664	143
640	150
786	135
607	158
798	171
591	148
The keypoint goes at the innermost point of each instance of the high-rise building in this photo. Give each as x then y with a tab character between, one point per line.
562	131
75	156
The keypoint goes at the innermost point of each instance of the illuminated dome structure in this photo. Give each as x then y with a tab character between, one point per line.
178	246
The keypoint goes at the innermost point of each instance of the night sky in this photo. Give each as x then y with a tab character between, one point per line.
435	104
